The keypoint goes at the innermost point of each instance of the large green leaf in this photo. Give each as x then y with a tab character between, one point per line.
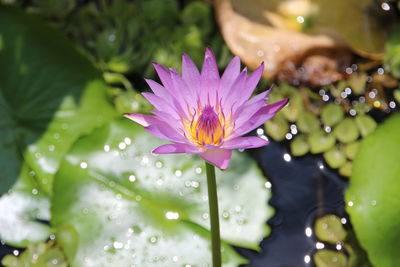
49	96
23	210
115	199
373	195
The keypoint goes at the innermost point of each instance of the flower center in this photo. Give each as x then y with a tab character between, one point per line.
207	129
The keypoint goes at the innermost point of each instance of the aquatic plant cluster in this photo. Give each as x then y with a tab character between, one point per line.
80	186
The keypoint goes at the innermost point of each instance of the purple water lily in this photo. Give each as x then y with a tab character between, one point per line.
203	113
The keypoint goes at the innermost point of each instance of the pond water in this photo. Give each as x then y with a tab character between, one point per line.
303	189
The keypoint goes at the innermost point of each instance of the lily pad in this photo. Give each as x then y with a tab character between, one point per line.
351	149
320	141
365	124
23	210
346	131
373	195
299	146
153	207
46	101
346	169
308	123
37	255
332	114
330	258
335	158
277	127
330	229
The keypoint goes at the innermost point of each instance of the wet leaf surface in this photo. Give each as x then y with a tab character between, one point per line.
115	199
46	101
373	198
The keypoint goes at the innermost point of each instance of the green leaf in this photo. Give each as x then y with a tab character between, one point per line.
37	255
351	149
299	146
320	142
335	158
330	229
330	258
22	209
277	127
365	124
307	122
49	96
332	114
346	131
373	195
346	169
392	55
115	199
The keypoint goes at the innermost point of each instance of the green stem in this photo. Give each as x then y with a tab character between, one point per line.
214	216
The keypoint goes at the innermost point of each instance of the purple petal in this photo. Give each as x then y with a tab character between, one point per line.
233	96
161	104
245	142
229	76
209	78
144	120
190	73
261	116
176	148
186	95
165	76
251	83
158	89
246	111
218	157
164	131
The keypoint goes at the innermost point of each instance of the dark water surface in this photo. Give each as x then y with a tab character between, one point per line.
302	189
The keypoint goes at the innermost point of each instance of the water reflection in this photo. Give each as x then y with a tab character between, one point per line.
303	189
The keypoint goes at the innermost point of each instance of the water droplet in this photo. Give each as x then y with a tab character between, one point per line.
308	232
373	202
127	141
287	157
56	136
122	146
325	98
178	173
267	184
132	178
159	181
170	215
111	184
343	220
238	208
205	216
260	131
328	129
85	210
225	215
37	155
385	6
289	136
52	237
319	245
175	258
145	160
34	191
54	261
118	196
16	252
138	198
338	246
300	19
307	258
153	239
106	148
32	173
118	245
159	164
260	53
198	170
350	203
52	148
392	104
83	165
